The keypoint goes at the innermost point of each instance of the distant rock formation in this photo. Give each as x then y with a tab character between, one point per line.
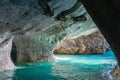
92	43
5	53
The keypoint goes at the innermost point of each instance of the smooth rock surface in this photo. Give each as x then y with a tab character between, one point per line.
33	48
5	53
106	15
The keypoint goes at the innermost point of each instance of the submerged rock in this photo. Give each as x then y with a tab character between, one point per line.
92	43
5	53
116	72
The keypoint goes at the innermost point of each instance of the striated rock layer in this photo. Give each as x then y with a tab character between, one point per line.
5	53
35	33
92	43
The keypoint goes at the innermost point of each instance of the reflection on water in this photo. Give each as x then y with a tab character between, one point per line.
66	67
6	75
107	58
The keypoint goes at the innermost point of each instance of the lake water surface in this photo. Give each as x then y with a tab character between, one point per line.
66	67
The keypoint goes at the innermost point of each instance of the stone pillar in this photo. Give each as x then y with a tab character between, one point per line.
5	53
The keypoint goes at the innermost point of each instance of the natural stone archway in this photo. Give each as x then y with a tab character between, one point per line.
35	34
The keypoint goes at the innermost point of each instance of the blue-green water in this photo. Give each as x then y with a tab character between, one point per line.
67	67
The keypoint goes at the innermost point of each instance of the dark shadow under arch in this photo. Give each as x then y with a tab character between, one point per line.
13	53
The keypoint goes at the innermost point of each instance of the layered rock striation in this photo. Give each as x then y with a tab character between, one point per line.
84	44
35	33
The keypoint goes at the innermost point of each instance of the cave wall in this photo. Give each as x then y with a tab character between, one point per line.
33	47
5	52
36	34
106	15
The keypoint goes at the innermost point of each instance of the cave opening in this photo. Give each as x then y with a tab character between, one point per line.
94	52
90	49
55	41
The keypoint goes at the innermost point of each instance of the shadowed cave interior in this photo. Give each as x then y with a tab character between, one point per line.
59	40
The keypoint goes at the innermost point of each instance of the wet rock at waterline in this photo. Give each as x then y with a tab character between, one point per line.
116	72
92	43
5	53
33	48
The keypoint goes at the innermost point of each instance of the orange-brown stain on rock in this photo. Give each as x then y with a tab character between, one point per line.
92	43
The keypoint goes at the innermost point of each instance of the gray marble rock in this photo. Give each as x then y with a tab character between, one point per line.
5	53
36	34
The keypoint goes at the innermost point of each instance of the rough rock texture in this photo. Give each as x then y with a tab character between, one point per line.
116	72
92	43
5	53
32	48
36	34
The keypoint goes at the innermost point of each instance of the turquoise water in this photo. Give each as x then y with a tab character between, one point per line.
66	67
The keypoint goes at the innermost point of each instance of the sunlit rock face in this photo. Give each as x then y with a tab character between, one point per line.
36	34
92	43
5	52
